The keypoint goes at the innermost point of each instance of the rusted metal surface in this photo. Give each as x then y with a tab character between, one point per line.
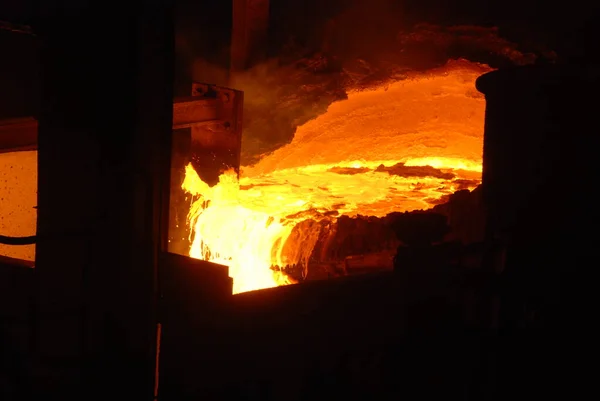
18	134
193	110
214	116
249	32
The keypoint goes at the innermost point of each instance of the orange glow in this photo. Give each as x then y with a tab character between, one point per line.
360	157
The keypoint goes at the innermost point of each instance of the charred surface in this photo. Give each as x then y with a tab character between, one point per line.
334	246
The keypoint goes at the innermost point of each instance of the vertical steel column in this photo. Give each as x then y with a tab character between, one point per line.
104	131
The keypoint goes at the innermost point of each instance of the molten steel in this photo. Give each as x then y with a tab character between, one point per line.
396	148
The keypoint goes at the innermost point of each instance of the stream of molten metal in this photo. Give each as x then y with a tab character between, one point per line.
334	164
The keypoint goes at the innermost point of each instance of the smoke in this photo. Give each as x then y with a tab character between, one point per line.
267	125
279	98
308	40
320	51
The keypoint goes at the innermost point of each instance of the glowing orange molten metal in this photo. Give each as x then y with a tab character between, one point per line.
347	160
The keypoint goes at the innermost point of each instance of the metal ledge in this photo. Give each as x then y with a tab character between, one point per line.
21	134
188	111
18	135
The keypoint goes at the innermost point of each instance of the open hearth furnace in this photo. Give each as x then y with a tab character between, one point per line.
328	204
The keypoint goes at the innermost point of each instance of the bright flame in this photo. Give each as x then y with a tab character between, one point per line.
347	161
229	232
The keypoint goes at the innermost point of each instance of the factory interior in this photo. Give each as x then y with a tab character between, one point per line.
297	199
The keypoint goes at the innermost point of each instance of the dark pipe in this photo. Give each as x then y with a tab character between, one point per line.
4	240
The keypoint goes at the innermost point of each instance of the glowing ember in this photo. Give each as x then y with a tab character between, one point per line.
398	148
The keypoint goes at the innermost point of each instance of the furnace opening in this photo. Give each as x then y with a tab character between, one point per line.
405	145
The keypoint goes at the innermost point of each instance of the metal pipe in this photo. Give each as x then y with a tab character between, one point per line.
4	240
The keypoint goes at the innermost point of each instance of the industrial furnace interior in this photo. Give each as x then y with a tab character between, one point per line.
406	145
374	133
382	126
